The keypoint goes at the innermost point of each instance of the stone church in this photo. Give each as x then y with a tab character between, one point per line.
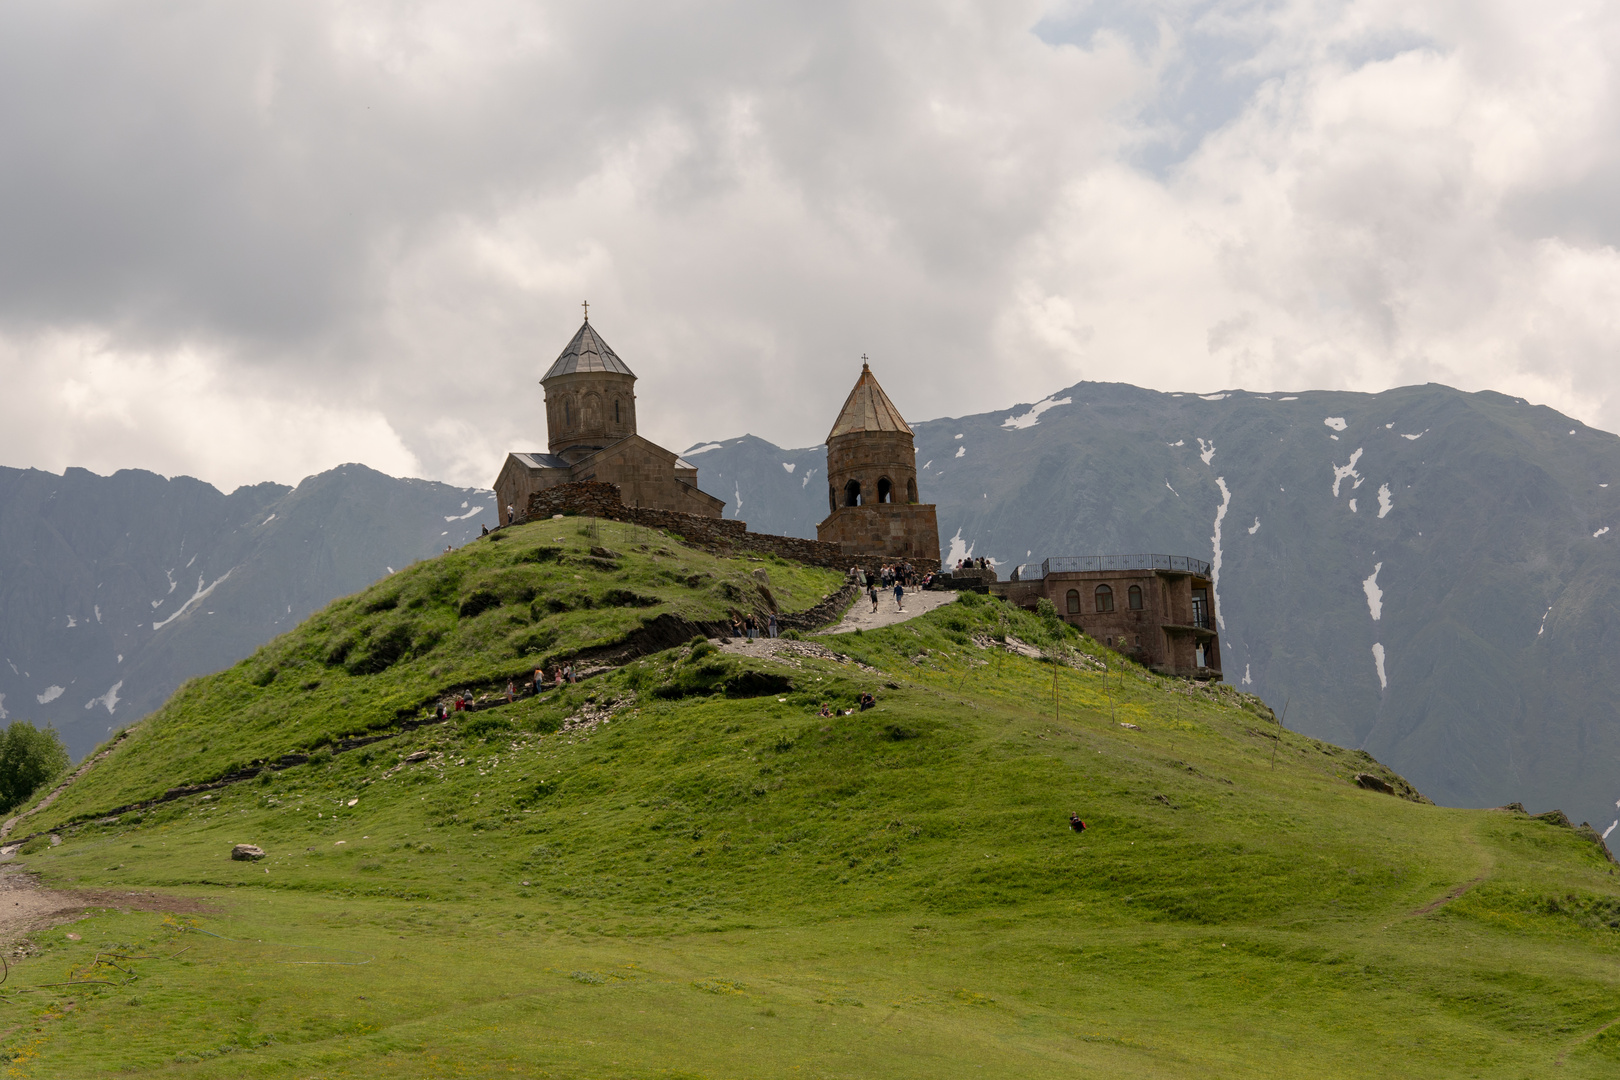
872	498
591	423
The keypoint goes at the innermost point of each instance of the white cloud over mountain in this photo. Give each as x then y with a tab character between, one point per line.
248	243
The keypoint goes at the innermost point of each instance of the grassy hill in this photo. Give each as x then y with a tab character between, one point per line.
681	868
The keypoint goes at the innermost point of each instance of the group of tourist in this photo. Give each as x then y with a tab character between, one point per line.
561	675
981	563
867	701
460	702
889	580
750	627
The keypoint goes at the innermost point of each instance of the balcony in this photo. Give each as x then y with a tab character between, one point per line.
1080	564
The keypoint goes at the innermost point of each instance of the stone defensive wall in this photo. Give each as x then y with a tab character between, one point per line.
593	498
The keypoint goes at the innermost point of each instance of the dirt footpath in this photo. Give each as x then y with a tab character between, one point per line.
862	617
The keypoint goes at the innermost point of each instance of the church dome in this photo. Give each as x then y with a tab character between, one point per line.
587	354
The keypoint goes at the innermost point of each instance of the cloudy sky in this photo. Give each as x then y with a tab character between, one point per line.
253	240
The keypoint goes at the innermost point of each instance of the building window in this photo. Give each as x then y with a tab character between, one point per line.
911	490
1134	597
1074	601
885	490
616	419
1105	598
852	493
568	414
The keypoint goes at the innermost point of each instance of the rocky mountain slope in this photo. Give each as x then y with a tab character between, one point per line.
115	589
1423	573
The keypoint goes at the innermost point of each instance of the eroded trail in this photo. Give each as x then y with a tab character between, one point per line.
862	617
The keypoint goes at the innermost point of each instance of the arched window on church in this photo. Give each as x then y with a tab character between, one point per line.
616	419
568	413
832	498
852	493
1105	598
1134	597
1074	601
885	490
911	490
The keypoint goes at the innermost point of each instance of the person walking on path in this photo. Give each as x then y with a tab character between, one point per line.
871	590
899	595
771	627
511	691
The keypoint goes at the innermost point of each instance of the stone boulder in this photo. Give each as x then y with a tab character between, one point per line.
1374	783
247	852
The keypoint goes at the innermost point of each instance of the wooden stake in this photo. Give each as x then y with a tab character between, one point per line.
1278	737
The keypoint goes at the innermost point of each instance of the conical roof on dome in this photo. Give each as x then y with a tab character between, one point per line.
587	352
868	408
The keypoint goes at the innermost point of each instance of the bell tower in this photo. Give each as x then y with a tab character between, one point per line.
873	505
590	397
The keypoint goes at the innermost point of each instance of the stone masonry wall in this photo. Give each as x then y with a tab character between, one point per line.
724	535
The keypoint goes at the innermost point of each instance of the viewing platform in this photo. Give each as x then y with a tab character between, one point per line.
1094	564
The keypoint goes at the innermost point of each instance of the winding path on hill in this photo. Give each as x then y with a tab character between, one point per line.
862	617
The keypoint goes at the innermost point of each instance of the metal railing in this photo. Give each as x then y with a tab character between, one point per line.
1079	564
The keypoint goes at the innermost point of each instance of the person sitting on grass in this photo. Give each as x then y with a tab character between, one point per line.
1075	823
867	701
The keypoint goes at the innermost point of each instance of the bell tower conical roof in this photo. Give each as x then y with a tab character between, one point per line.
587	353
868	408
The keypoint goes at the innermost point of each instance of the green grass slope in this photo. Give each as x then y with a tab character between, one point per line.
681	868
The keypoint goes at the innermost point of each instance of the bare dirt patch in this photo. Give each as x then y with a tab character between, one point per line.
26	905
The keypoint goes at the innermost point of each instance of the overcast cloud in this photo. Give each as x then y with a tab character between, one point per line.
251	241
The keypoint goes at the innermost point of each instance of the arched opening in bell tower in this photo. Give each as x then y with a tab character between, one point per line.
852	493
885	490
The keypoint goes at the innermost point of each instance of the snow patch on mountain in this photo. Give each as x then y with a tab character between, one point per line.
1345	472
1255	527
1336	423
109	699
1033	416
1206	451
788	467
196	598
51	694
959	550
1385	503
1375	595
1215	572
704	449
1378	662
